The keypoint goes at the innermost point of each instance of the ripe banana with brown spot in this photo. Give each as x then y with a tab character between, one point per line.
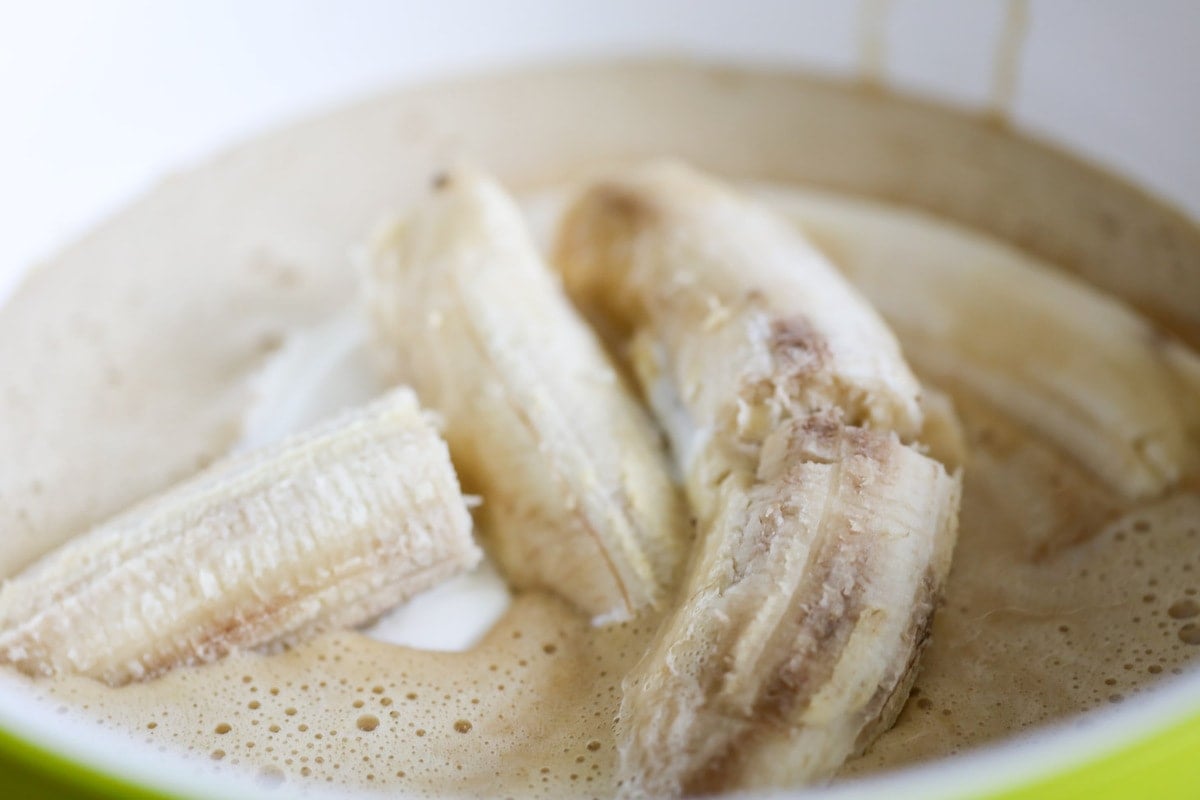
324	530
577	493
824	536
1070	363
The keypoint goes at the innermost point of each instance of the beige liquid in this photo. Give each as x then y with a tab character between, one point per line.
872	41
1005	70
527	712
872	52
1024	636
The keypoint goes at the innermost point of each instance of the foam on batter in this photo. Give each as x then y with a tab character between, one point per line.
177	320
1023	638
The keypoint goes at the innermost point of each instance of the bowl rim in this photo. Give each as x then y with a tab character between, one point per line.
1114	752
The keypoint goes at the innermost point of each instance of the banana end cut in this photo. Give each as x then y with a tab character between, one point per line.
324	530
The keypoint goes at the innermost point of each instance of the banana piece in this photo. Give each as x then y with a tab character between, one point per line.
824	539
324	530
577	493
1070	363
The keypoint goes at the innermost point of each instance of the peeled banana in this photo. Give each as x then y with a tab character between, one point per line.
327	529
577	494
1075	366
824	538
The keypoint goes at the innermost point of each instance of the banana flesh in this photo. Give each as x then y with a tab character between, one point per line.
325	530
577	493
823	538
1075	366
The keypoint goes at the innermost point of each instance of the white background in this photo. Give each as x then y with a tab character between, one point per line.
98	100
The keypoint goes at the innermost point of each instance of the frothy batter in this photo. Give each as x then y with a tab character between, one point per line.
145	347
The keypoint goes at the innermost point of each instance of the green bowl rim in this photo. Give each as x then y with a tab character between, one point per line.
1159	760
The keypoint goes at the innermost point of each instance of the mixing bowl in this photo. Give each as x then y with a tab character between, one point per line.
942	88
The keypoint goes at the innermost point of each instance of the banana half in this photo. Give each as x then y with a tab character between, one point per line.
825	534
1082	370
577	494
325	530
